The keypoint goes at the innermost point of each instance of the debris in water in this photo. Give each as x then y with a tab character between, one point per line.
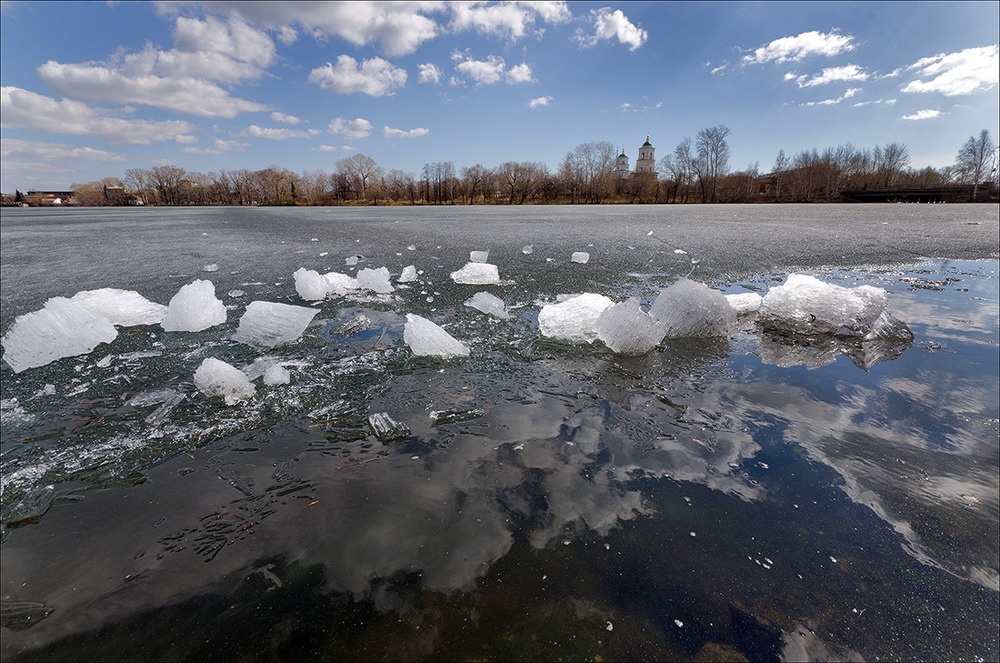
451	416
386	428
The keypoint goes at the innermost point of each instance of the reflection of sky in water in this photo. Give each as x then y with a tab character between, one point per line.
676	456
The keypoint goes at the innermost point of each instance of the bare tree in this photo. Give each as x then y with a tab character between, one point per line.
778	170
361	170
974	160
713	153
586	170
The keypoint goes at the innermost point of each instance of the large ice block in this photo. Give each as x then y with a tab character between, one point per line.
573	320
477	273
428	339
310	284
269	324
194	308
806	305
692	309
340	284
627	329
487	303
125	308
62	328
375	279
745	303
217	378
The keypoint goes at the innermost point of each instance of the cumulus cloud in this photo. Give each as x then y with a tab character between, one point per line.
510	20
847	73
793	49
278	133
610	25
375	77
833	102
13	148
429	73
22	109
490	71
219	146
282	118
350	129
539	101
389	132
952	74
926	114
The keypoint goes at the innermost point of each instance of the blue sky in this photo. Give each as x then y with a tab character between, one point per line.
94	88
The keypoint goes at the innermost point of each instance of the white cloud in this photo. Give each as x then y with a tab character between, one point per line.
510	20
220	146
282	118
520	73
389	132
282	133
104	83
612	25
13	148
350	129
875	102
926	114
429	73
22	109
399	27
793	49
832	102
847	73
375	77
539	101
952	74
325	148
490	71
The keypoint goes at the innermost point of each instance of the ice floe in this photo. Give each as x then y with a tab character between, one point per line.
269	324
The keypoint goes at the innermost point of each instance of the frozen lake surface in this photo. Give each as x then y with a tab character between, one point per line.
753	495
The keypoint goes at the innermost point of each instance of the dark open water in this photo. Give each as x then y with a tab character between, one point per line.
741	497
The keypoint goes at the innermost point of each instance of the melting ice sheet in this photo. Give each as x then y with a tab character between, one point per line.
746	494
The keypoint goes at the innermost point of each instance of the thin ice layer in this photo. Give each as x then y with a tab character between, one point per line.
269	324
692	309
125	308
194	308
62	328
573	320
806	305
217	378
428	339
627	329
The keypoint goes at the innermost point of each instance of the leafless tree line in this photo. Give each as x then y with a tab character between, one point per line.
696	171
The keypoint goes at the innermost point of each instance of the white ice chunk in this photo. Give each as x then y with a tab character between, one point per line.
62	328
194	308
269	324
806	305
210	268
125	308
277	374
528	250
573	320
340	284
375	279
409	274
428	339
693	309
351	261
477	273
487	303
217	378
745	303
627	329
310	284
479	256
580	256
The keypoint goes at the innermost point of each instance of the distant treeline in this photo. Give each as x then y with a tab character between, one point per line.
697	171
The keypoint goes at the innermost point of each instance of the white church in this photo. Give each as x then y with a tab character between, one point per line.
646	163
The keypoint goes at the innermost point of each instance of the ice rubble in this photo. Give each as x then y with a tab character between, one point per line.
194	308
487	303
477	273
626	329
124	308
62	328
573	320
376	280
217	378
806	305
269	324
428	339
693	309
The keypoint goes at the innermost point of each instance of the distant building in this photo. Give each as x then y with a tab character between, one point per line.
646	163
